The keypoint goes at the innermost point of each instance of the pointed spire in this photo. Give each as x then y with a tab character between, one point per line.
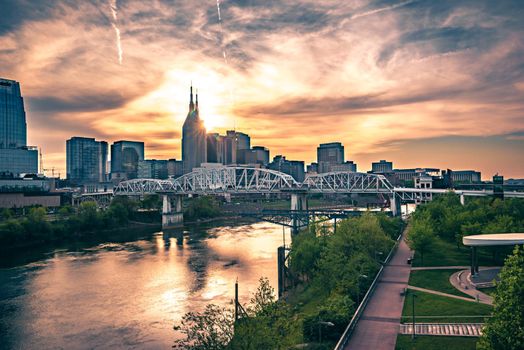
191	104
196	101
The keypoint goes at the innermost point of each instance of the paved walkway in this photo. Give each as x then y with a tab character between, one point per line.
439	268
378	327
448	329
431	291
462	282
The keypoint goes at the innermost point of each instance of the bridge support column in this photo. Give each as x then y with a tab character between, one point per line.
298	204
394	202
462	199
172	215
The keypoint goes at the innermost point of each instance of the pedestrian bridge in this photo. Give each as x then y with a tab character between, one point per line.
243	180
239	180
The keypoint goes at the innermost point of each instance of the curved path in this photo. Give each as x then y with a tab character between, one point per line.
462	282
379	325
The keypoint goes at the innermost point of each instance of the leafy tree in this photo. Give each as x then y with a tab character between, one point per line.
36	224
420	236
211	329
88	215
305	254
65	212
505	330
6	214
202	207
267	325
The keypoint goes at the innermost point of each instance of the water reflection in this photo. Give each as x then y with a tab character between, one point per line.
129	294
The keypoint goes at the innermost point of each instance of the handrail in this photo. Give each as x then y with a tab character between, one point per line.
356	316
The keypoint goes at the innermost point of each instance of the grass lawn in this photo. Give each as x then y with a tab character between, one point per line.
489	290
435	305
426	342
435	279
443	253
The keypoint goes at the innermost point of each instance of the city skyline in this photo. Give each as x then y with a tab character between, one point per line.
388	81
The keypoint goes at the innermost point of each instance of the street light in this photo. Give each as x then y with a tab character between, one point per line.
325	323
358	287
413	296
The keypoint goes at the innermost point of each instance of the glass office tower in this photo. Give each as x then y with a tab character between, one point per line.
15	156
86	160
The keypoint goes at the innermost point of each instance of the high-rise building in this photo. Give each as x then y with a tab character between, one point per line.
175	168
348	166
382	167
329	154
243	141
152	169
294	168
125	156
194	141
15	156
215	148
86	160
229	148
262	155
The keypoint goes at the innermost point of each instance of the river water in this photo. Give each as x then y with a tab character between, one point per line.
128	295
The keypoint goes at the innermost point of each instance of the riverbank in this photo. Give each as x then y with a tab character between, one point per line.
328	276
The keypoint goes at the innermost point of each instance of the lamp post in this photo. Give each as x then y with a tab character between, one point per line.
320	323
378	253
358	288
413	296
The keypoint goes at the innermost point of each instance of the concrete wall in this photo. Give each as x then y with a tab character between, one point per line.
19	200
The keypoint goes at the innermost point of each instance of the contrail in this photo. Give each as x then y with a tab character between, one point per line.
387	8
112	5
224	54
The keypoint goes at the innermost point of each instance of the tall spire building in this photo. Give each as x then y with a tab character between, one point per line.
194	145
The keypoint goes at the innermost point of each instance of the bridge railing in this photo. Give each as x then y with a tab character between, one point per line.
358	313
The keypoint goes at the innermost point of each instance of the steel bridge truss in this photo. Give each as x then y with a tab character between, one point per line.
239	180
347	182
206	181
301	217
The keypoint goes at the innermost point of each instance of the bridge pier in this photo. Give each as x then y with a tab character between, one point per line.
298	203
172	215
462	199
394	202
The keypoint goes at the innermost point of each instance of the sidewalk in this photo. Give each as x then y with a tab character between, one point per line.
461	281
431	291
379	325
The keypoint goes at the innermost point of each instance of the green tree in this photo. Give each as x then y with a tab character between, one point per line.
211	329
420	235
305	254
6	214
36	224
505	330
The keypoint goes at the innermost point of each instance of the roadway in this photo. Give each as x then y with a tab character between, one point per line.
379	325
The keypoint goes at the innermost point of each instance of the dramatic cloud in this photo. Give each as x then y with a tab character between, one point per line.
434	83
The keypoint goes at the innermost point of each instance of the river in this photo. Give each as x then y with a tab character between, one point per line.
128	295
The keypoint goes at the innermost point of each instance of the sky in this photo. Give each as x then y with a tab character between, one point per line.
421	83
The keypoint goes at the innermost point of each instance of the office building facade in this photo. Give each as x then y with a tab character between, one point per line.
348	166
329	154
125	156
382	166
15	156
86	160
152	169
294	168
